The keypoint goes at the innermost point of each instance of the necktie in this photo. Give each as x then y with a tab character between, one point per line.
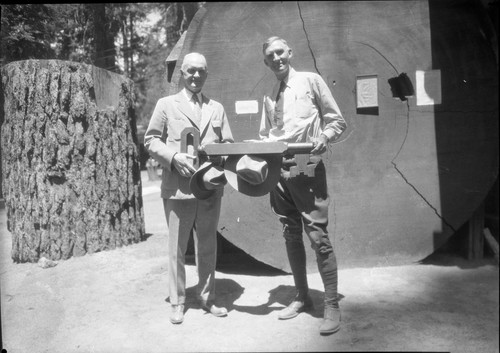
278	108
281	89
197	109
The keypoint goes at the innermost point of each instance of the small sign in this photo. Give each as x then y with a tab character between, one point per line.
428	87
367	91
246	107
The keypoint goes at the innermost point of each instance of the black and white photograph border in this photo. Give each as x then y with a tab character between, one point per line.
412	180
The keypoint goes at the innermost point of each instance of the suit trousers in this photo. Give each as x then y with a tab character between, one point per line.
182	216
301	202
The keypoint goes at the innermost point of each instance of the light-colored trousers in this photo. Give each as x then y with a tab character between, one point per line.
182	216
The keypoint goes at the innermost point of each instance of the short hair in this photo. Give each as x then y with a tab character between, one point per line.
272	39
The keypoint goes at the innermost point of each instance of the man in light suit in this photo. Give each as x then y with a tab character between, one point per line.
186	109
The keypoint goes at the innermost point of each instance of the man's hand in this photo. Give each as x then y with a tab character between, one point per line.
183	162
320	145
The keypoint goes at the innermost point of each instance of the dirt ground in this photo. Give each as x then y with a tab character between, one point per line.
115	301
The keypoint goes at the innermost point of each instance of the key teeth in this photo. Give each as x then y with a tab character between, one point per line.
302	166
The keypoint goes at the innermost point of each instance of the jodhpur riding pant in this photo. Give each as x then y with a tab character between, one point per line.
301	202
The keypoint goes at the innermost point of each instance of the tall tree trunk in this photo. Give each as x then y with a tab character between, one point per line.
71	176
104	43
1	123
125	48
132	46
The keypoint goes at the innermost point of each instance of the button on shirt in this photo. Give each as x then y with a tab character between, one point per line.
306	108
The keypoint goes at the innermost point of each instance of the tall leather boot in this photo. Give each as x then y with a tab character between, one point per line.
297	258
327	266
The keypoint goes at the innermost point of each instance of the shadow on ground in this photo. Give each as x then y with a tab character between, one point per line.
233	260
229	291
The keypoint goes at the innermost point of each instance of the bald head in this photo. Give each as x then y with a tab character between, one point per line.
194	58
194	72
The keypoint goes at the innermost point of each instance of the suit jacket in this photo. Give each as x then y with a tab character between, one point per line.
162	140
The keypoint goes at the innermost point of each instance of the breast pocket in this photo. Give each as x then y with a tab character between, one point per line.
304	105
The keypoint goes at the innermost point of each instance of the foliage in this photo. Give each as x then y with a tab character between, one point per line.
26	31
119	37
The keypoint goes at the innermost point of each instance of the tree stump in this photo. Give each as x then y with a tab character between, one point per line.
71	175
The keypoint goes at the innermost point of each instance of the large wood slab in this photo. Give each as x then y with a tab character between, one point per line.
404	176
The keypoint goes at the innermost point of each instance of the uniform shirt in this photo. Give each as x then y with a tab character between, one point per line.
306	109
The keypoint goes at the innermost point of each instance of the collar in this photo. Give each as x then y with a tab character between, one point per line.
290	75
189	95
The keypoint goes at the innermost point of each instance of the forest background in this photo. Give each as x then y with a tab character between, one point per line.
131	39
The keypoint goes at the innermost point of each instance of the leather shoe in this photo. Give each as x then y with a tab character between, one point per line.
177	314
295	308
215	310
331	321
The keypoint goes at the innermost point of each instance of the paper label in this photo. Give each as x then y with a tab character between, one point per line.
246	107
366	91
428	87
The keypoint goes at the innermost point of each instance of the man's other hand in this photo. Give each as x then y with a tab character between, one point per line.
320	145
183	162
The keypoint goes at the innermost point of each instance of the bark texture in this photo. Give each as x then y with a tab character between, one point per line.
71	176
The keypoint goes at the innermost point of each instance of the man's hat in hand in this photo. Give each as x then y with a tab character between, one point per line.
253	175
206	180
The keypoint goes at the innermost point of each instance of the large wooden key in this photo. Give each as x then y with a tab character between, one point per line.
300	150
302	166
190	136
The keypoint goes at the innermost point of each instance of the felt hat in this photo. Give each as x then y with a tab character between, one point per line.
253	175
206	180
